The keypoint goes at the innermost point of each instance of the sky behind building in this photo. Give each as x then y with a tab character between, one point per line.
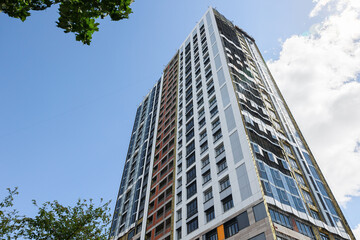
67	109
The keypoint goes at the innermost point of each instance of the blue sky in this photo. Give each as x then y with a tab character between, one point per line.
67	109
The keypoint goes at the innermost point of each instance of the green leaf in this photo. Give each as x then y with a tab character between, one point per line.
76	16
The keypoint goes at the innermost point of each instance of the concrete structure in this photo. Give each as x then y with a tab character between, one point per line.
216	154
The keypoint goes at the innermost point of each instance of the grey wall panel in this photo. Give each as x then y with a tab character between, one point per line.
217	62
259	237
236	147
244	184
225	95
259	211
230	120
220	75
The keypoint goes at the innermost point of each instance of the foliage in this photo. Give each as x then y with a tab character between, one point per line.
10	222
76	16
55	221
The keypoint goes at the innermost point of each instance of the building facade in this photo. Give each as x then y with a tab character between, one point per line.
215	152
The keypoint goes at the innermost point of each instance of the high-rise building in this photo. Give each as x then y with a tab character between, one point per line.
215	152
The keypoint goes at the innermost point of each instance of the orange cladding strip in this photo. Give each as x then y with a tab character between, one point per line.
220	232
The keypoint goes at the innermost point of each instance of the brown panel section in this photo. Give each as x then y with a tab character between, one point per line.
159	219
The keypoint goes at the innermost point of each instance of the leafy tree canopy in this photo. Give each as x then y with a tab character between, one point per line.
76	16
55	221
10	222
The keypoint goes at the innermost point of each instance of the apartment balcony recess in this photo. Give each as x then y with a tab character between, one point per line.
178	189
225	193
212	108
205	169
220	156
203	140
203	149
216	127
208	204
178	224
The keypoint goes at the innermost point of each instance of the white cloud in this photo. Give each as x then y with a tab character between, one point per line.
320	4
356	231
317	75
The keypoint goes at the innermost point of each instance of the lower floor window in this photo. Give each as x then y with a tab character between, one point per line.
231	228
192	225
212	235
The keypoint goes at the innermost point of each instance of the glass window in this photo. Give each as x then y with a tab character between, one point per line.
217	135
284	164
315	215
206	177
262	170
201	112
179	155
202	123
277	178
322	188
308	197
179	182
200	102
267	188
205	161
224	183
178	215
178	233
192	225
189	135
231	228
190	147
189	125
256	148
227	203
212	235
203	134
271	156
222	165
219	150
189	114
191	189
190	160
179	167
210	214
191	208
331	206
204	147
215	123
179	197
191	175
214	111
287	150
293	163
287	221
300	179
208	194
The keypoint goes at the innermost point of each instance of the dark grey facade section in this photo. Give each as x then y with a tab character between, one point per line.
259	211
259	237
243	220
